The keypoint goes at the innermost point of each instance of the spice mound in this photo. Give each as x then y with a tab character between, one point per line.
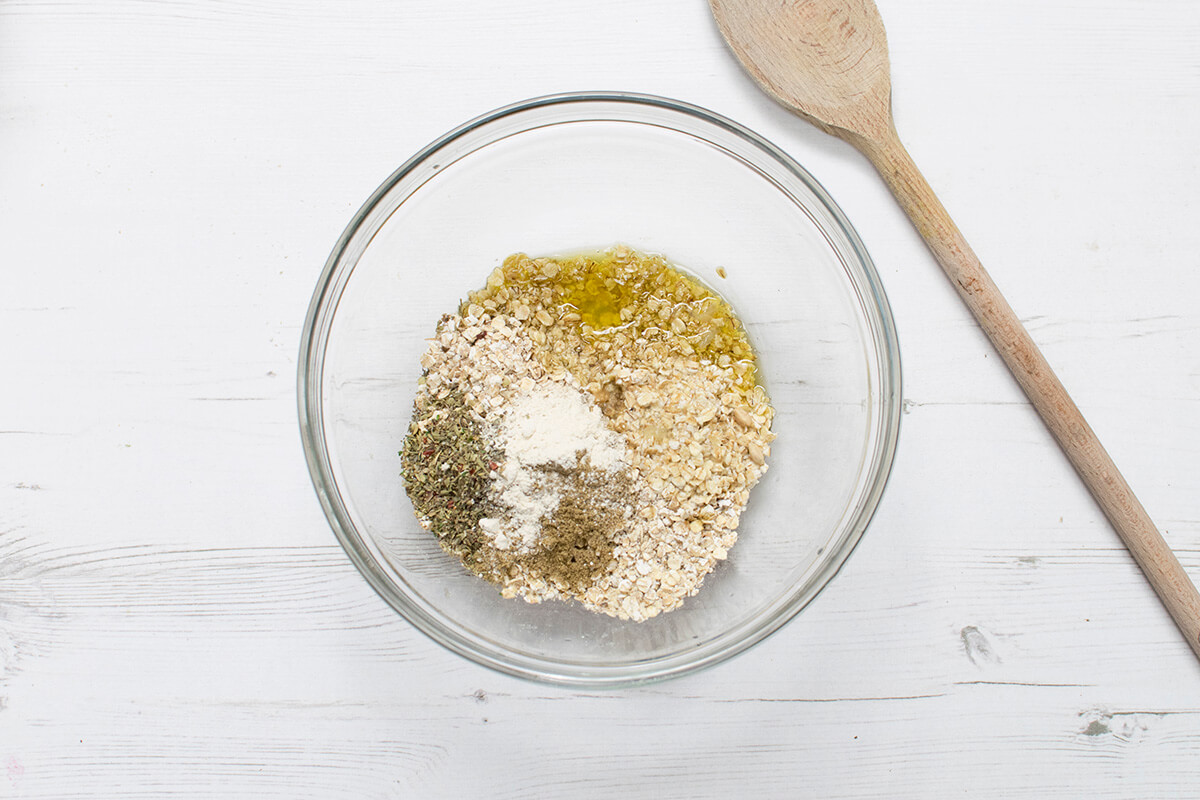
588	428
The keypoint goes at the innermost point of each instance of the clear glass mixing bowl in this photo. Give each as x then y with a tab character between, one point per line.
586	171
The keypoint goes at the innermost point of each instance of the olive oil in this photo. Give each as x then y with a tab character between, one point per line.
638	295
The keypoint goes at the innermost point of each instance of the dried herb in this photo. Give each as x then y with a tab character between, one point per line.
446	465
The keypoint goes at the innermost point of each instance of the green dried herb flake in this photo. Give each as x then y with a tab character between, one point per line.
447	464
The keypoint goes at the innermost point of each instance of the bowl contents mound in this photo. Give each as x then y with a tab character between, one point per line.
588	428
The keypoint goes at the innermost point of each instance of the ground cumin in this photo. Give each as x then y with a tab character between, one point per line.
578	539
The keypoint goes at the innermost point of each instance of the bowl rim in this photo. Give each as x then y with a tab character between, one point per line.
734	641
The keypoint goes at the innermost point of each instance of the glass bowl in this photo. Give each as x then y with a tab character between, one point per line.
577	172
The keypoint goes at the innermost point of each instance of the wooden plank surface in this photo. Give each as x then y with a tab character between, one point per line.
177	619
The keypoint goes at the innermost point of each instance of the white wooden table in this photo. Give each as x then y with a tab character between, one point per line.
176	617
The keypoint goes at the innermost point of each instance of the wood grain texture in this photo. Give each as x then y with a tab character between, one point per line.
1040	383
828	63
177	619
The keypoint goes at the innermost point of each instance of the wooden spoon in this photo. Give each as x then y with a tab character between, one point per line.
827	61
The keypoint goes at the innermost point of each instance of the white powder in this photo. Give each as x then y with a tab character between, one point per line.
554	424
525	497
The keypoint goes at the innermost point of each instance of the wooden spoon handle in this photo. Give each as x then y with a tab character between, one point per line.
1046	392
